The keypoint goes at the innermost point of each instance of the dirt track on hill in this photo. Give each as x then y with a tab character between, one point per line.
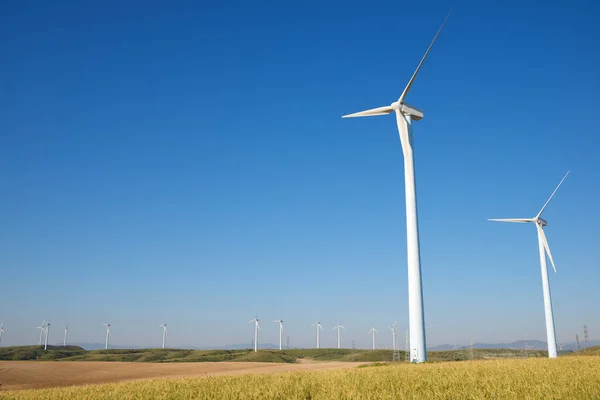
15	375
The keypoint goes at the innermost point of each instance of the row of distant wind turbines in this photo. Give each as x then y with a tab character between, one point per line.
405	114
45	328
317	325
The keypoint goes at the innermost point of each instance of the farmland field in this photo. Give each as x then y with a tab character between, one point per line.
536	378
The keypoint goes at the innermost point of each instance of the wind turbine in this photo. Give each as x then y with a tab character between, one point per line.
544	250
41	328
405	114
65	339
1	330
47	332
256	328
394	329
339	334
318	326
164	326
107	334
280	321
373	330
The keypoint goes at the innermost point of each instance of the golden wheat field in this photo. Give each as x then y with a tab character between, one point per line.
563	378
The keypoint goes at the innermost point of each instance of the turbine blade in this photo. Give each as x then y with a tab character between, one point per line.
545	243
373	112
412	79
342	327
520	220
552	195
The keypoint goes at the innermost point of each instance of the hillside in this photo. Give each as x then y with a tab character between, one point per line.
38	352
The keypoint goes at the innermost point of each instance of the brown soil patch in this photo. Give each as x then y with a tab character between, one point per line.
16	375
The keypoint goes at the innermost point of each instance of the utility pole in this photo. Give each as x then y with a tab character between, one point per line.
586	342
471	349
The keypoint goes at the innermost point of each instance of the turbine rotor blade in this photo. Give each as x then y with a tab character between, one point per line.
546	247
412	79
519	220
552	195
373	112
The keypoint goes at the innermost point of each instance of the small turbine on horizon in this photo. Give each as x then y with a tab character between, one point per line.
1	330
372	331
107	335
318	326
42	327
544	250
394	329
256	329
65	338
280	321
405	114
164	326
339	334
47	332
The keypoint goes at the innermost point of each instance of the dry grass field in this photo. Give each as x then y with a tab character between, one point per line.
563	378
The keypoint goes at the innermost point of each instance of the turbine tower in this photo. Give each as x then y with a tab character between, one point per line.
256	328
339	334
394	329
47	332
107	335
1	330
164	326
544	250
280	321
318	326
65	338
372	331
405	114
41	328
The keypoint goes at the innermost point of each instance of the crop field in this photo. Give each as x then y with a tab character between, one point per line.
534	378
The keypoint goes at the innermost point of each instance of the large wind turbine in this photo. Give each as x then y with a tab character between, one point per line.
404	116
318	326
280	321
164	326
256	328
47	332
1	330
544	249
372	331
339	334
107	335
65	338
41	328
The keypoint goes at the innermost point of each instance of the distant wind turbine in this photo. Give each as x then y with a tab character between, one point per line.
339	334
164	326
256	328
544	250
280	321
405	114
107	335
1	330
394	329
372	331
47	332
318	326
41	328
65	338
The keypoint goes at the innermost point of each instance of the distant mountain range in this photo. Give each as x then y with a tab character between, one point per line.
517	345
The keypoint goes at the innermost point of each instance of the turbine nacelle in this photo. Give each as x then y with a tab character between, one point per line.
541	222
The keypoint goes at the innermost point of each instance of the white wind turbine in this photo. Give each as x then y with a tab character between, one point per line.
164	326
107	335
280	321
41	328
372	331
544	250
65	338
404	116
339	334
47	332
318	326
1	330
394	329
256	328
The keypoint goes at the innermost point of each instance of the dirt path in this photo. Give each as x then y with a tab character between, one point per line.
41	374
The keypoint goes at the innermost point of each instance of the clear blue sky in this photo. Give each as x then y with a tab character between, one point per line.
186	164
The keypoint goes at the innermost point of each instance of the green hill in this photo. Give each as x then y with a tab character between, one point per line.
38	352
